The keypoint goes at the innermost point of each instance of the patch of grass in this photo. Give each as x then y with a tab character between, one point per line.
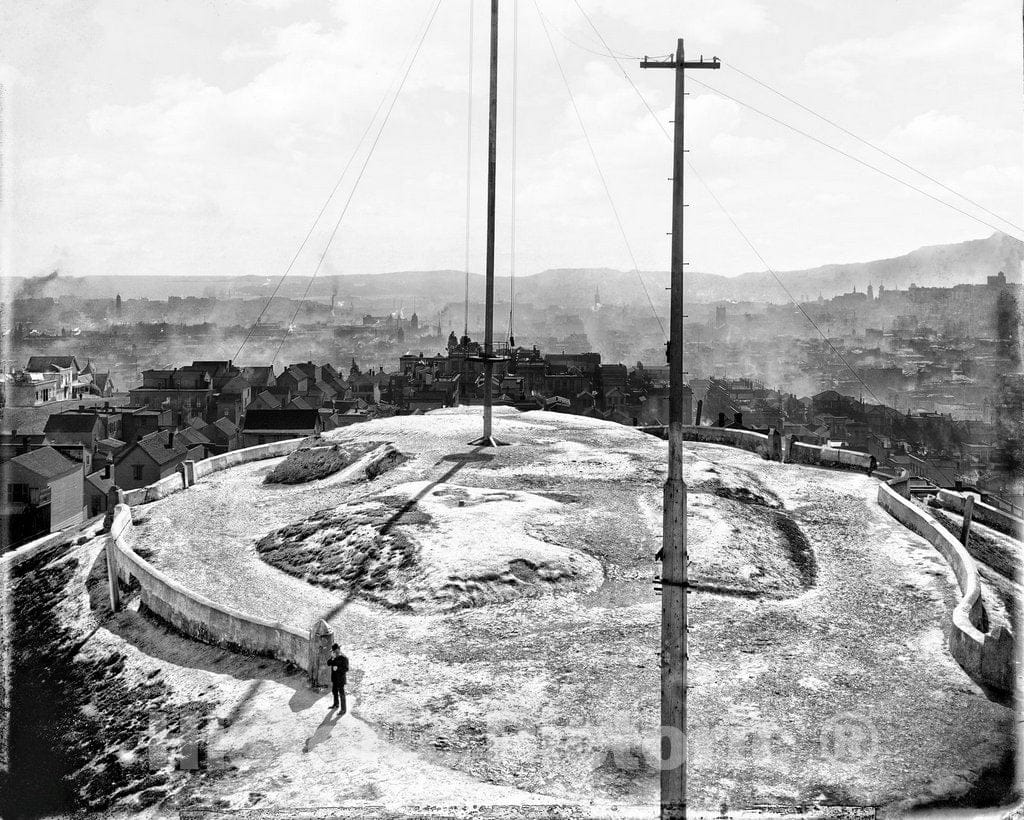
345	549
313	461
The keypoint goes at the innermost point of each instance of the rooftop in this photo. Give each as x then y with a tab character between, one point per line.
46	462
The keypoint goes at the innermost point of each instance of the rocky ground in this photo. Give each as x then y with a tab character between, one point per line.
818	664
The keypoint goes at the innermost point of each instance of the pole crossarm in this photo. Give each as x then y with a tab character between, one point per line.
675	63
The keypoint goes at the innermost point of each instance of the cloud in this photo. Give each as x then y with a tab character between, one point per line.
732	146
971	32
709	24
948	137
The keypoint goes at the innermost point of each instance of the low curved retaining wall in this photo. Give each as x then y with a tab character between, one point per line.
744	439
987	656
176	482
232	458
197	616
795	452
983	513
800	453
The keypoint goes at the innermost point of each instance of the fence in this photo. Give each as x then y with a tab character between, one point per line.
983	513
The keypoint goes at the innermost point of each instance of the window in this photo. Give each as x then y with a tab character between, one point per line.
17	493
137	472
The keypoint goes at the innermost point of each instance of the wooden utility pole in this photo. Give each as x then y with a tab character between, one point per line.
673	547
488	357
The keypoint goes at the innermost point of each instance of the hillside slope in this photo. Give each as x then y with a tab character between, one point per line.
573	288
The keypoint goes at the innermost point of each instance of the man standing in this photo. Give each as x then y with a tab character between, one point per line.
339	669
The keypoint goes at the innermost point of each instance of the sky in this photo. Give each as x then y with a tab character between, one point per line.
203	137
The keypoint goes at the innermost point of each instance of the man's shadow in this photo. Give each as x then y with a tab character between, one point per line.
323	731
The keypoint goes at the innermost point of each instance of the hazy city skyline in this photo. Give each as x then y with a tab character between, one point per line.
203	139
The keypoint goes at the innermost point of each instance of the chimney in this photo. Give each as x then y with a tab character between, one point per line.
170	440
721	419
106	471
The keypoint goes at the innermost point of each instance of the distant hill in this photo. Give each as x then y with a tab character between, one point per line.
932	266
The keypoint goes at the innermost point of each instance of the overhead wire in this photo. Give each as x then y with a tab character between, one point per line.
809	136
569	39
362	170
779	281
848	155
323	209
315	222
597	165
735	225
872	145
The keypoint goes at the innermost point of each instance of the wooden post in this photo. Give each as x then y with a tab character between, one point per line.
965	529
321	636
675	583
109	553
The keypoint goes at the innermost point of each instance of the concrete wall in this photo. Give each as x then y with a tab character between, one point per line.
983	513
191	613
197	616
154	491
173	483
233	458
987	656
800	453
792	451
744	439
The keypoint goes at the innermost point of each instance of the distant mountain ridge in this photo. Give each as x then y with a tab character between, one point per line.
573	288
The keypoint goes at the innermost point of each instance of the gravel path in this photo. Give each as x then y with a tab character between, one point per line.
843	689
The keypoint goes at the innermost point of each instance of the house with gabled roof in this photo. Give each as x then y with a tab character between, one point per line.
259	377
265	400
234	397
40	491
152	457
291	382
74	428
223	434
102	385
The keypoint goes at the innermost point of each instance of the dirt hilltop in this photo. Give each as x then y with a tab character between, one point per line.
499	612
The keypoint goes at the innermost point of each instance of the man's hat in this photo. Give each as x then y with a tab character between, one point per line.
335	646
